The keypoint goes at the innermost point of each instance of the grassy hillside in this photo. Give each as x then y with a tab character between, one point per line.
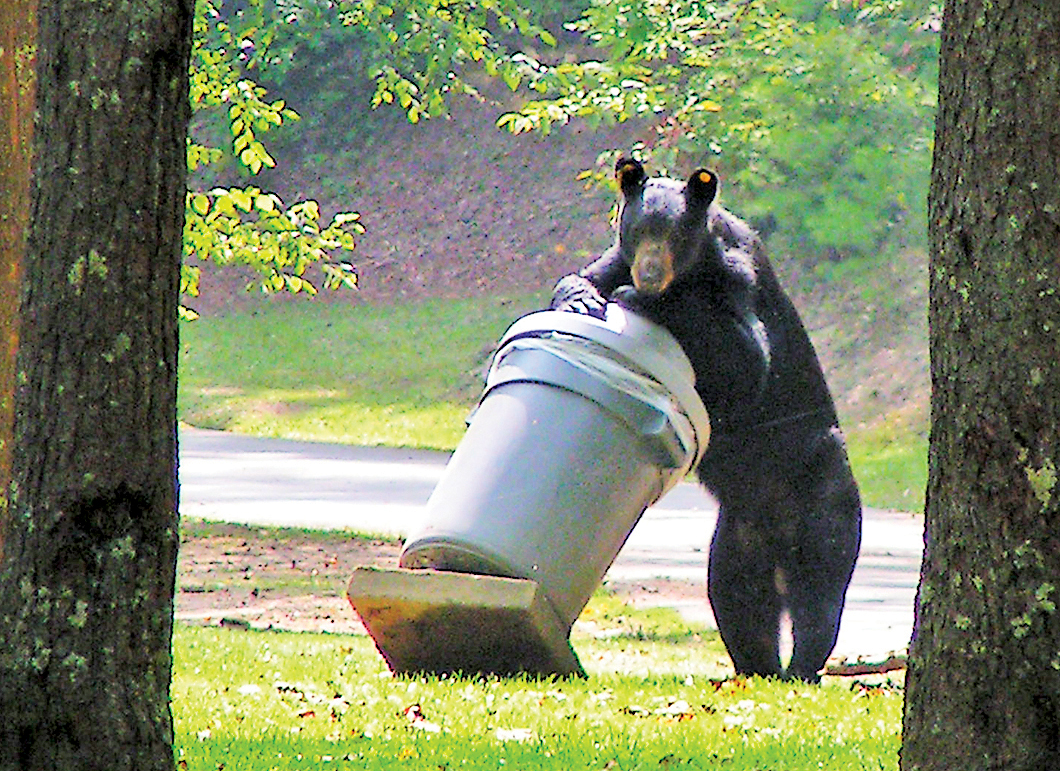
468	227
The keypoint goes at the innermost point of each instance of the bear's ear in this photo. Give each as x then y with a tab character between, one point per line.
702	187
630	175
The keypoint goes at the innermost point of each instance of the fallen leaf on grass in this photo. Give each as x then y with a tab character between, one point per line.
513	734
418	721
863	688
731	684
336	704
679	709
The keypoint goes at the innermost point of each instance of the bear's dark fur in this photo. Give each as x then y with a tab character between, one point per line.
789	525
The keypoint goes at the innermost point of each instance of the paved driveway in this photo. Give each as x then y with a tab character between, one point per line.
383	490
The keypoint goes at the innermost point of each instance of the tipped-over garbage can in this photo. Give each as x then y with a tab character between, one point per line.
583	424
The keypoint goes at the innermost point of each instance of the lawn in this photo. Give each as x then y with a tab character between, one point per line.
659	695
660	690
400	375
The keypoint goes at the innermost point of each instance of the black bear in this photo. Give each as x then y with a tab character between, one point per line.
789	525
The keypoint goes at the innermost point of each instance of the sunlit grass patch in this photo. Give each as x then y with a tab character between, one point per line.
337	417
403	375
889	459
192	527
283	701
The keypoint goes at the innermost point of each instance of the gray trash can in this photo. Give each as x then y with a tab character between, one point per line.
582	425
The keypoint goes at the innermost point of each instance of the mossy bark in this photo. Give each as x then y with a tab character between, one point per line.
983	687
89	564
18	49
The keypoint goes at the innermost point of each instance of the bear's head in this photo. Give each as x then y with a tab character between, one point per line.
663	230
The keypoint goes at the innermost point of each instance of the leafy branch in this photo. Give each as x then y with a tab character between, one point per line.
246	226
417	52
819	115
250	227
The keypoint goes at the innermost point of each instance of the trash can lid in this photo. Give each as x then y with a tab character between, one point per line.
647	345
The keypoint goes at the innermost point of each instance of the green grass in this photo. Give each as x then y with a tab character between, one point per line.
407	375
401	375
890	464
192	527
656	697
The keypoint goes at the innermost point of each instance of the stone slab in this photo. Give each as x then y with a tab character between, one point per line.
429	621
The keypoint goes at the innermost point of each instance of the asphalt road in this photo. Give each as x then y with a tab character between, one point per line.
382	490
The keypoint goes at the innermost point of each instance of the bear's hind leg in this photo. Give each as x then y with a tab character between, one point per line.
817	587
822	561
744	598
814	628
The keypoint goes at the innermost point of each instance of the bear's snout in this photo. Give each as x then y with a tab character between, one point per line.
653	268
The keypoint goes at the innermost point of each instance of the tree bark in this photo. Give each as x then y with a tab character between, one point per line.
983	687
90	547
18	45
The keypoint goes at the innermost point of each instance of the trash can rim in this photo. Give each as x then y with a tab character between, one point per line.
623	331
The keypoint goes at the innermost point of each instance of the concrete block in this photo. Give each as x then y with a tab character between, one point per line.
443	622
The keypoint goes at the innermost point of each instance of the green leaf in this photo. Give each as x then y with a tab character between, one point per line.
250	159
262	154
200	203
511	78
241	199
342	218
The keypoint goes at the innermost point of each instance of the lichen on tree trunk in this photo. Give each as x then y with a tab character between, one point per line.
89	564
983	687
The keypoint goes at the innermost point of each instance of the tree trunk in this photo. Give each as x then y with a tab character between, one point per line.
983	687
88	572
18	38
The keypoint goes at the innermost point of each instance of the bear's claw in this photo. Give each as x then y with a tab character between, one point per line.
576	294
